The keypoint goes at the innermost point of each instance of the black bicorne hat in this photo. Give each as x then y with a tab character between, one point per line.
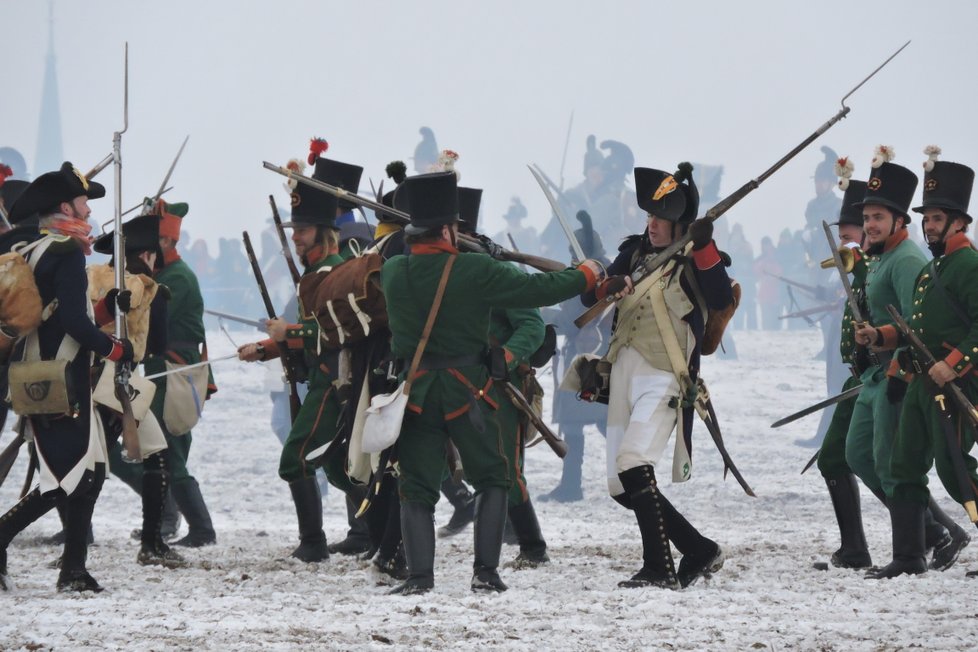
430	199
142	234
851	213
46	192
947	186
889	185
668	196
341	175
469	200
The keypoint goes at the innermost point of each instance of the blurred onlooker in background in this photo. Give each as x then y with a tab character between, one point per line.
742	269
525	237
768	287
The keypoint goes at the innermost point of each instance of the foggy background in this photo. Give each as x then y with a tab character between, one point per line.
731	83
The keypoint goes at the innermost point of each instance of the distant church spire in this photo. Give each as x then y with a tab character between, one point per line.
50	154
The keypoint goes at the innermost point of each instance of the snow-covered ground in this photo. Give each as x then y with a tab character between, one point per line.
246	593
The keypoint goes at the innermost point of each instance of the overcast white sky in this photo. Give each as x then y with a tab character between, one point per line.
732	83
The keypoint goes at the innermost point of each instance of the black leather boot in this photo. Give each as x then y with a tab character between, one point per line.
701	556
418	529
657	567
357	539
533	548
187	495
907	521
464	503
854	553
30	508
152	550
78	517
58	538
947	551
309	512
490	520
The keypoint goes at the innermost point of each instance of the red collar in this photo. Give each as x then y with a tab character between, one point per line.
433	248
314	255
957	241
895	239
170	256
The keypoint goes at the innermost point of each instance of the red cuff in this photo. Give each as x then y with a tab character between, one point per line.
509	355
116	352
706	257
954	358
893	369
271	349
102	314
891	338
602	290
589	278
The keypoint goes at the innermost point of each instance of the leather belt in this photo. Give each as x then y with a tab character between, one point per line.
432	362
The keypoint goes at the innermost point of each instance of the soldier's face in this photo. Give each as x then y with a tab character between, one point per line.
849	233
935	222
879	223
660	231
77	208
304	239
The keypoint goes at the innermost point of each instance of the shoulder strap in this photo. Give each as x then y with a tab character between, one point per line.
431	318
955	306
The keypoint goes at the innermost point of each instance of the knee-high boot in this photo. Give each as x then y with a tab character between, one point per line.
30	508
418	530
309	512
490	520
946	551
657	565
907	521
701	556
854	553
357	539
533	547
152	550
78	518
187	495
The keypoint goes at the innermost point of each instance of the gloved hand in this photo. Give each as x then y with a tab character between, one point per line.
896	389
493	249
701	233
121	350
115	298
614	285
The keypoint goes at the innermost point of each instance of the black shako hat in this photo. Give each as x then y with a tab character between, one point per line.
946	186
469	200
851	213
341	175
312	207
46	192
668	196
142	234
889	185
430	199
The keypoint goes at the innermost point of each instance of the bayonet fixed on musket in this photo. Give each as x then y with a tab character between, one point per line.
559	214
821	405
652	263
236	318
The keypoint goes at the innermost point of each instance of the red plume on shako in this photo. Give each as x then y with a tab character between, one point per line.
316	147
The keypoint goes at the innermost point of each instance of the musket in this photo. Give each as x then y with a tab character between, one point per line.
130	438
9	456
280	230
169	172
101	165
840	267
650	265
813	291
183	368
241	320
288	358
821	405
949	393
465	241
564	224
558	445
827	307
143	203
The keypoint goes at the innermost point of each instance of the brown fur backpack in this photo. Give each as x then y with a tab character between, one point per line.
347	300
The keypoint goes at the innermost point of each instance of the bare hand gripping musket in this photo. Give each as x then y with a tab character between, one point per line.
949	393
660	259
289	363
466	242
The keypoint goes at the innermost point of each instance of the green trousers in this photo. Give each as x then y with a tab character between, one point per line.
314	426
872	428
832	454
921	443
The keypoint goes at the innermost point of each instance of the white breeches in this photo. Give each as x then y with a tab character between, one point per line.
640	421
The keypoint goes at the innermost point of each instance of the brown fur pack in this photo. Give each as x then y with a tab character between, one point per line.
336	297
101	279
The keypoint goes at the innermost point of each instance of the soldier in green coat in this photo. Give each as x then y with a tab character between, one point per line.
519	332
185	340
839	478
316	241
944	315
453	395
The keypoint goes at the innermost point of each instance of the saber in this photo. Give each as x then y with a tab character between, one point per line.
840	267
564	224
811	462
189	366
241	320
832	400
648	267
709	417
148	203
4	218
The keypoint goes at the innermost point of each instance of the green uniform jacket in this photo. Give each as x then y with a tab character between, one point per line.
891	276
476	285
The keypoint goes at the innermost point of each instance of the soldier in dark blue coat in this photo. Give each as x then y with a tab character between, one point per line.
70	446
